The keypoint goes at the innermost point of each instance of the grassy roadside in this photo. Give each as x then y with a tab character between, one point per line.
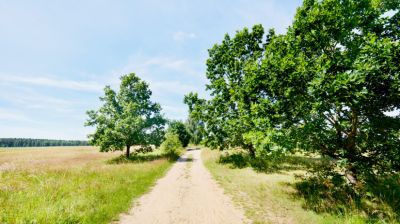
268	198
71	185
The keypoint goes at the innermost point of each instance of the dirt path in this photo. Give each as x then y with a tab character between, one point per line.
187	194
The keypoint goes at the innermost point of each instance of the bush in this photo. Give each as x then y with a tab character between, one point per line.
171	145
237	158
179	128
144	149
326	190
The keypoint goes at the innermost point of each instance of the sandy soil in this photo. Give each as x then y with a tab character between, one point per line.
187	194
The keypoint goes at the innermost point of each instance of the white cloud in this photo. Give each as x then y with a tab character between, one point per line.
175	112
182	36
13	115
176	87
30	99
51	82
158	68
169	78
165	74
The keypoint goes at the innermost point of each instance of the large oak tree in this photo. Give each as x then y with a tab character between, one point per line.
326	86
127	117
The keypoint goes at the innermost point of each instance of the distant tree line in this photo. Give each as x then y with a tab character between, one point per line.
29	142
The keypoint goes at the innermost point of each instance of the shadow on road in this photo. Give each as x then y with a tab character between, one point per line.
185	160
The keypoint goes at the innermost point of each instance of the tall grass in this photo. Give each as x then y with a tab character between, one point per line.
277	195
92	192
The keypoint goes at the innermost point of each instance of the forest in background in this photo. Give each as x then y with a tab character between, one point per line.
30	142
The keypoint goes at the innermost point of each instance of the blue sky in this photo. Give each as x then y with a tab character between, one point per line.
56	56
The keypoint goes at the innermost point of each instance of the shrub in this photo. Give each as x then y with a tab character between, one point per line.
179	128
144	149
237	158
171	145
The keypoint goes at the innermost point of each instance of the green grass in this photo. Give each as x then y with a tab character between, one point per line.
270	197
71	185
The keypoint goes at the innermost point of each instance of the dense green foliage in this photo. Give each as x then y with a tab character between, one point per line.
344	80
194	123
30	142
196	131
179	128
227	114
324	86
127	118
171	145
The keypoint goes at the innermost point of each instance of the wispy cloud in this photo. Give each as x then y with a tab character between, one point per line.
170	78
182	36
30	99
179	88
53	66
165	74
175	112
51	82
144	64
13	115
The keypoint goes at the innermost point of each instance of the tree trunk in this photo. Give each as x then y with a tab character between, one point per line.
252	151
351	175
127	151
352	154
351	146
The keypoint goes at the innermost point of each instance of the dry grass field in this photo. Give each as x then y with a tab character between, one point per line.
52	157
271	197
71	184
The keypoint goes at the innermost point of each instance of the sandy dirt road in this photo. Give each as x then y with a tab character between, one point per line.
187	194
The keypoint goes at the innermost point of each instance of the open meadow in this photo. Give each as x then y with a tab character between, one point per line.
71	184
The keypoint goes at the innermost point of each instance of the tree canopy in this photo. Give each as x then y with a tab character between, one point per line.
325	86
180	129
127	117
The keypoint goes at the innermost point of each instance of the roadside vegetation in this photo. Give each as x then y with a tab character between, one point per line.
171	145
328	87
273	195
180	129
73	184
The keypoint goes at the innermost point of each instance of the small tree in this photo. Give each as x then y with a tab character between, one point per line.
196	130
171	144
180	129
126	118
195	123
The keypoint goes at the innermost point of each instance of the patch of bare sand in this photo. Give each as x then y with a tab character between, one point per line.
187	194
